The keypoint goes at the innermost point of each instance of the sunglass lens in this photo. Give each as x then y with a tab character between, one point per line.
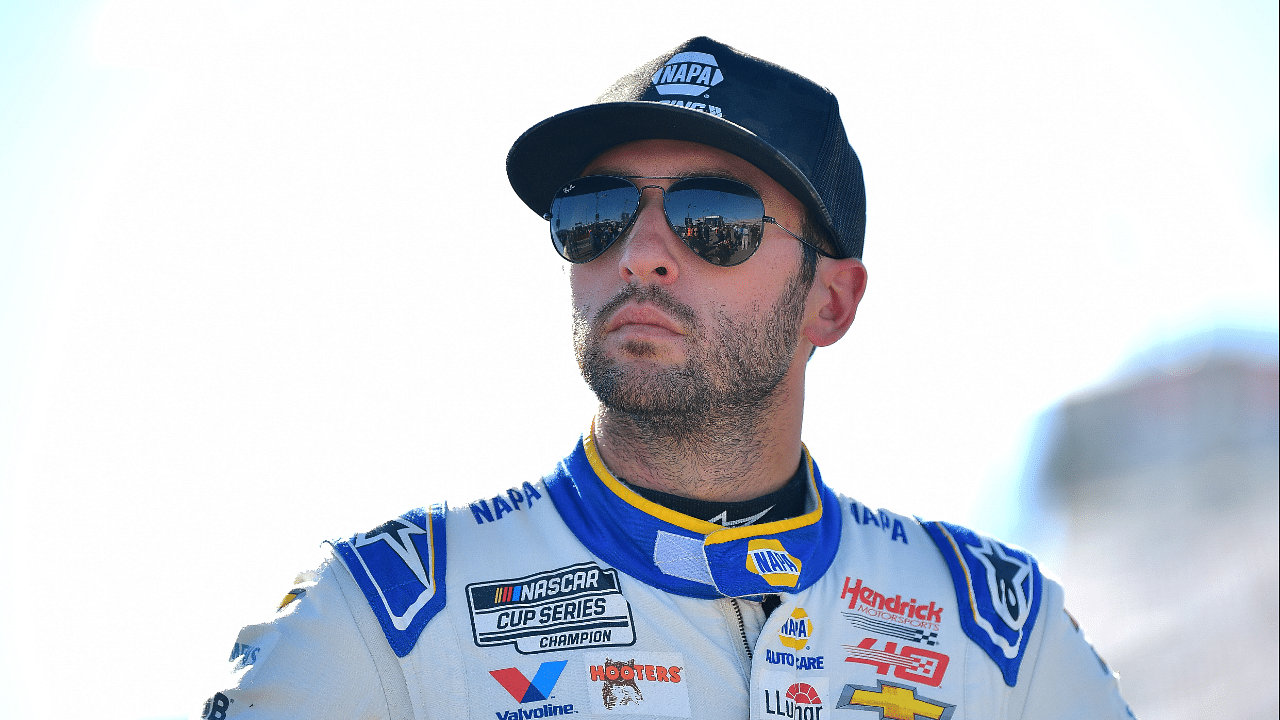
589	214
721	220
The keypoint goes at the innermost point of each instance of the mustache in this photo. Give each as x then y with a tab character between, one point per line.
654	295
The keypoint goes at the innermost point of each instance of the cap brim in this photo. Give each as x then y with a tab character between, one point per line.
555	151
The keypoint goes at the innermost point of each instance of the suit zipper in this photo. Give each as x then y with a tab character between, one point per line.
742	629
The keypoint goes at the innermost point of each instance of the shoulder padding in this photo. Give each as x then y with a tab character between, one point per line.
998	590
399	567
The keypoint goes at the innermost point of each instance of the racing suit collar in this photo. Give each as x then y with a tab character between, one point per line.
687	555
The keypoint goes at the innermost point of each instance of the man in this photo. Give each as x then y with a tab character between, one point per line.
686	559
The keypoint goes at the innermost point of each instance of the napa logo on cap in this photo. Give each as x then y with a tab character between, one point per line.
769	560
688	73
796	630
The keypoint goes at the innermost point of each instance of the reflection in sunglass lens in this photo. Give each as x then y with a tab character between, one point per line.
719	219
589	214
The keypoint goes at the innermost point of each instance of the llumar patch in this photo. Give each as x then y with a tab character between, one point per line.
570	608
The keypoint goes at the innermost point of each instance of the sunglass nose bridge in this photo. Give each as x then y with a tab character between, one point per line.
662	193
641	203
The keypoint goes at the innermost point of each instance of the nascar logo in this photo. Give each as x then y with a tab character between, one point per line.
687	73
510	593
578	606
769	560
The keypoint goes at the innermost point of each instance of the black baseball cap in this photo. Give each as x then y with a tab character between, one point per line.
707	92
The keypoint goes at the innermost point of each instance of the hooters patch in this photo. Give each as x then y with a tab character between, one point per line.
630	683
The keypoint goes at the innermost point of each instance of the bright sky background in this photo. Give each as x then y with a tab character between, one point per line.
263	282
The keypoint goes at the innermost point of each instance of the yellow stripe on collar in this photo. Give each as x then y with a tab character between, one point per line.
633	499
715	533
724	535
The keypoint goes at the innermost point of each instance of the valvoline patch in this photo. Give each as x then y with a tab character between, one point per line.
525	690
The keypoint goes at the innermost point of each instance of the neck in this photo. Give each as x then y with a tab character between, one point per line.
718	456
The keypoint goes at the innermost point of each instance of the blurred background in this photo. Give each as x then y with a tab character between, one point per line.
262	283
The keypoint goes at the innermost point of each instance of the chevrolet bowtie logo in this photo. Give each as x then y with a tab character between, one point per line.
894	701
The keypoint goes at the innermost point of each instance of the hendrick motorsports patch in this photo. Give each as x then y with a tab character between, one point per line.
580	606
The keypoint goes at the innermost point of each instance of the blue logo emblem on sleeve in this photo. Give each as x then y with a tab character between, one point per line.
998	589
399	566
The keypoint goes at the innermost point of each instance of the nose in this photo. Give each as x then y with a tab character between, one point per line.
649	249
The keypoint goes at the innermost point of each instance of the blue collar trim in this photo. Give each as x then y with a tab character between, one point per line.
688	556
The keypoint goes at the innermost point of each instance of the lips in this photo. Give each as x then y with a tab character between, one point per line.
642	317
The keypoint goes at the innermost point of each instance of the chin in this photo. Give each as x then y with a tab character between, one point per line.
639	349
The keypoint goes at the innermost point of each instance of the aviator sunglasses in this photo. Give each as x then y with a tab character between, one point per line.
721	220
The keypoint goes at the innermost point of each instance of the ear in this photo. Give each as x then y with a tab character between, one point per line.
833	300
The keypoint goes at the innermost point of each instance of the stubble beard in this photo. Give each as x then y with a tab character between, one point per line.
732	376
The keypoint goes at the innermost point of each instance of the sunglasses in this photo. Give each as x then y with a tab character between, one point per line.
721	220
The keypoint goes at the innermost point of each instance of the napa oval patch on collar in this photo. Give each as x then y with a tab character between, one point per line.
400	567
771	561
998	590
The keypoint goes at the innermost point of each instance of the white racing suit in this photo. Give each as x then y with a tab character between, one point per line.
575	596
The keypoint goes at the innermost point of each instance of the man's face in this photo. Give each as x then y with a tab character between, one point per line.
661	332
